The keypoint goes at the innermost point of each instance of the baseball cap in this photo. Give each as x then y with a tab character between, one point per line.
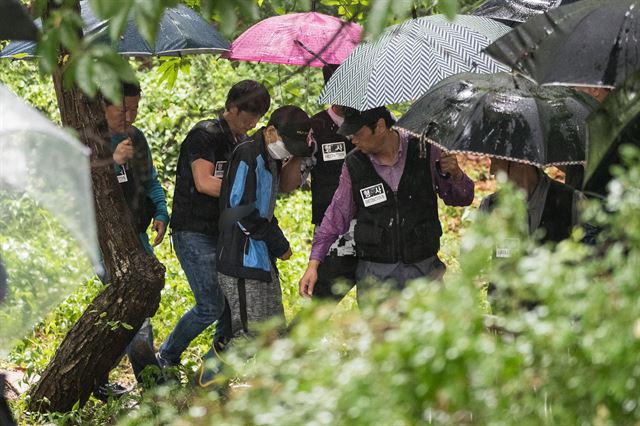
354	120
293	125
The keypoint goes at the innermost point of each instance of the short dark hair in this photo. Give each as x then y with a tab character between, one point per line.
127	90
250	96
355	119
388	119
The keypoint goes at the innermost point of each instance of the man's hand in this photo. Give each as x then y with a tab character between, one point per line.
309	279
160	227
449	164
286	255
124	152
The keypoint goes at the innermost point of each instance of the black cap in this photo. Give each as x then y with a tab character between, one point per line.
354	120
293	125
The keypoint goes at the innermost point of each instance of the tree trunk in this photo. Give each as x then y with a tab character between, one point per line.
98	339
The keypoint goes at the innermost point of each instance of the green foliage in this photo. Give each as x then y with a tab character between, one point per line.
432	355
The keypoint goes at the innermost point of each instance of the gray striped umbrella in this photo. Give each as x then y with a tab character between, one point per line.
411	57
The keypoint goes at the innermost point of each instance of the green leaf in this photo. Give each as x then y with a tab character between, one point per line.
108	81
126	326
118	23
48	50
228	20
448	7
84	77
106	9
378	16
69	37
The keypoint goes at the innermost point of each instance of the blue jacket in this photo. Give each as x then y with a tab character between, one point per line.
250	238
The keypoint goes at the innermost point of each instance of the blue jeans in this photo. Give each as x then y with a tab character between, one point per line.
197	255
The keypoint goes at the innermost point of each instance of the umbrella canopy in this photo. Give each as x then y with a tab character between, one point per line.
587	43
513	12
312	39
181	31
15	22
51	168
617	121
503	116
411	57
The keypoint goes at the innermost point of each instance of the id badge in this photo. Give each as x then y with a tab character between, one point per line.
373	195
334	151
122	175
507	248
219	169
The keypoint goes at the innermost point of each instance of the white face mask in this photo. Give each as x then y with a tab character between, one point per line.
277	150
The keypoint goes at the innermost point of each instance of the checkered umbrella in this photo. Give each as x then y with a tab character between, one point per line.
411	57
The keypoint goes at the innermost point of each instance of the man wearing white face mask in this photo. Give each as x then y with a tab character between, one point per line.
250	238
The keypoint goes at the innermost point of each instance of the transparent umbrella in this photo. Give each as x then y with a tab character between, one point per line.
47	220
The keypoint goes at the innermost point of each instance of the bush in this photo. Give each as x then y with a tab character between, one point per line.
427	355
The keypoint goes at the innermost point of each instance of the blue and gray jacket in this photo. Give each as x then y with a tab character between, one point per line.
250	238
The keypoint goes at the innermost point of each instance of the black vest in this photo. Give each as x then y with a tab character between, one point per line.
557	215
325	175
192	210
138	171
395	227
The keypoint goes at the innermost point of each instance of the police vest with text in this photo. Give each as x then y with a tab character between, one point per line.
395	227
331	151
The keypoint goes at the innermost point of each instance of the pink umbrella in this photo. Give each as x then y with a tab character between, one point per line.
311	38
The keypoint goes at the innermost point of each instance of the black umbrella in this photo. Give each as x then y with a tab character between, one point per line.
616	122
503	116
514	12
587	43
181	31
15	22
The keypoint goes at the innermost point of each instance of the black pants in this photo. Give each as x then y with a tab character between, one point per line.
336	277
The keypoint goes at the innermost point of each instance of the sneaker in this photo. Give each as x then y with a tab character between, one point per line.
165	363
169	369
107	391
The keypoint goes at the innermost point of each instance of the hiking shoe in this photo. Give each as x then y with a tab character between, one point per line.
170	370
107	391
165	363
